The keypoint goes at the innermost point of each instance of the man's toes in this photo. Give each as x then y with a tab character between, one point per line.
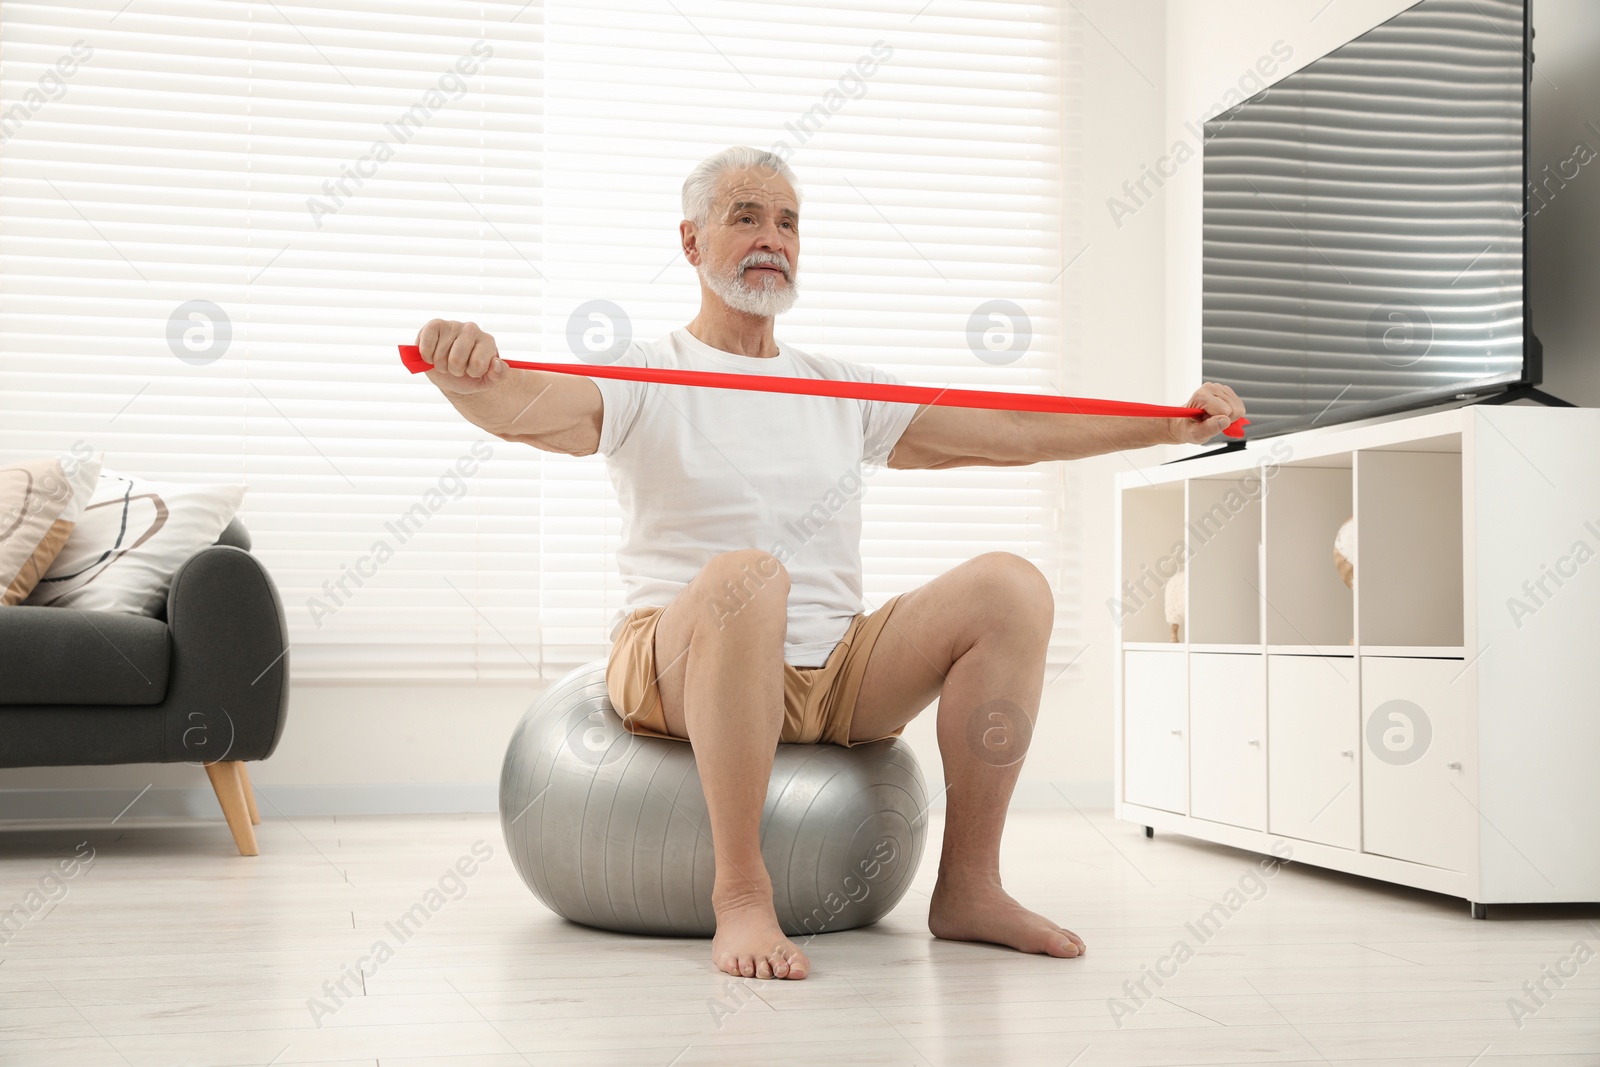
747	966
1063	947
763	967
780	966
1070	936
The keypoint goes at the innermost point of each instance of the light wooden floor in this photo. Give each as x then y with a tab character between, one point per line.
173	950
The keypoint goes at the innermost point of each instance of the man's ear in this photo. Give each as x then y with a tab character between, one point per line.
690	238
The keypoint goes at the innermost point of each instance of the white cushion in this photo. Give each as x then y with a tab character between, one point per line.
132	537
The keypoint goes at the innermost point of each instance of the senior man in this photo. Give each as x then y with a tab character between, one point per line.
733	639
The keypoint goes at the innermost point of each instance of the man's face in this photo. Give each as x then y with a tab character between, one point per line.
749	247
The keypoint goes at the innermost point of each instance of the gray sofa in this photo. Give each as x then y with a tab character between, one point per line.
205	683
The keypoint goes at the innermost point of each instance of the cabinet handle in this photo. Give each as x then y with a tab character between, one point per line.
1177	733
1453	766
1348	752
1254	742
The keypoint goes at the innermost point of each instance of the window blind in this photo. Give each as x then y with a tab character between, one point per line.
215	229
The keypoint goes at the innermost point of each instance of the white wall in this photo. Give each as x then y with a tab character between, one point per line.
1564	234
1118	355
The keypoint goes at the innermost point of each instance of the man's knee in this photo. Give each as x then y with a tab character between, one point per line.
746	582
1020	585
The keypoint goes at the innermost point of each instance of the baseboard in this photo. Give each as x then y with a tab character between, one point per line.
199	802
1034	793
101	806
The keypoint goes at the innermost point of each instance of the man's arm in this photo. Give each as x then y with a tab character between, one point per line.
553	412
942	437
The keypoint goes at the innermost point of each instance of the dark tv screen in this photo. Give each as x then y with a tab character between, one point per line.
1364	224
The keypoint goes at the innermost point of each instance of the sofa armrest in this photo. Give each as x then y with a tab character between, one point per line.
228	690
235	534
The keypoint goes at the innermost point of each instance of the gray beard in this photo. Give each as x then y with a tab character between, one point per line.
768	301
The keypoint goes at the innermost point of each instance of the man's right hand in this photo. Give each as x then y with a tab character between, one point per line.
465	359
552	411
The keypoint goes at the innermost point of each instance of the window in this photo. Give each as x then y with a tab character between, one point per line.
217	226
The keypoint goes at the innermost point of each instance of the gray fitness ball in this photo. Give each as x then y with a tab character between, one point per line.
609	829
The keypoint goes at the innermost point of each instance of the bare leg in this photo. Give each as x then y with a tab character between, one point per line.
975	637
721	677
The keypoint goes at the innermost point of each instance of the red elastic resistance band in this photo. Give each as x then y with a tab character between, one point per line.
411	356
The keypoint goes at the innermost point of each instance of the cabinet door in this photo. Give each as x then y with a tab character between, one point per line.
1228	738
1155	752
1313	749
1414	761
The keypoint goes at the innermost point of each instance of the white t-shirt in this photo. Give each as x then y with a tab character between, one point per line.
701	471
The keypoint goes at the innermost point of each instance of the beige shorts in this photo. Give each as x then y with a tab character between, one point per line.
819	703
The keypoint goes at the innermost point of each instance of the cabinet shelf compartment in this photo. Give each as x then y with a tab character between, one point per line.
1223	531
1409	587
1308	604
1151	552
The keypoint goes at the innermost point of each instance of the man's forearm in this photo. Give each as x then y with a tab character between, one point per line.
503	410
1052	435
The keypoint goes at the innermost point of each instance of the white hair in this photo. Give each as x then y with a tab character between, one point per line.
700	187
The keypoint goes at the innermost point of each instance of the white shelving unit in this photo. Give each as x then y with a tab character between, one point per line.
1439	725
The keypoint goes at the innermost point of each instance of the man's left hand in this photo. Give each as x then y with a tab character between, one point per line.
1222	406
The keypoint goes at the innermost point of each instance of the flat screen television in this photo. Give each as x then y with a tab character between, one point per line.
1365	246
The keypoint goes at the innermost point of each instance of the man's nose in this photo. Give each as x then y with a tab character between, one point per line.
769	239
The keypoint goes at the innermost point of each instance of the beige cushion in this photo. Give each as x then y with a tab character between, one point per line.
41	500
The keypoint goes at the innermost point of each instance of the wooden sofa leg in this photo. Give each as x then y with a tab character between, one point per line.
227	781
249	793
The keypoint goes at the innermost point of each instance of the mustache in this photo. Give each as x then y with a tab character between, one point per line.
766	259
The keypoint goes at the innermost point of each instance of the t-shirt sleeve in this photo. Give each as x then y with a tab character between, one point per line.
620	402
882	421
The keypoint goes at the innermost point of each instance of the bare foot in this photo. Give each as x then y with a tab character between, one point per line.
982	911
750	943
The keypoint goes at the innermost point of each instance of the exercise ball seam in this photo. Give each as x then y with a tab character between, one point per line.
620	769
775	800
